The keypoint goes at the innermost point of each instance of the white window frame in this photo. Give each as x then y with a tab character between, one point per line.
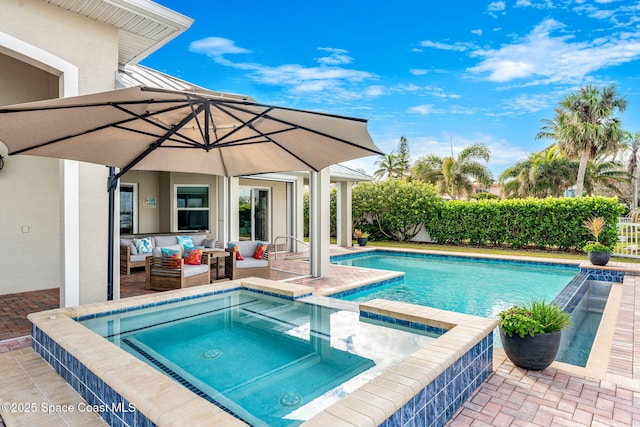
175	205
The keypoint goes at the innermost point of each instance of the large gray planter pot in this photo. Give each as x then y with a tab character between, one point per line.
599	258
533	353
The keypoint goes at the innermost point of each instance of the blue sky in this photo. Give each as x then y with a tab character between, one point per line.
436	72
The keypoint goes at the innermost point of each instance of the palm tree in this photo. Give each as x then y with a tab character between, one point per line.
605	173
632	170
389	165
542	174
584	126
452	176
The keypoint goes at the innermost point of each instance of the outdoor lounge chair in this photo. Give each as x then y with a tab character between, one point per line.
164	273
250	266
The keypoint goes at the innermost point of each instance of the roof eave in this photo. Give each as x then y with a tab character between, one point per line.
143	26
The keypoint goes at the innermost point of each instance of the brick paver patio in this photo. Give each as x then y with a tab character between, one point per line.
509	397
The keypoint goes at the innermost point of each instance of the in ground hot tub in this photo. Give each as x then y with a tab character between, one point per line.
265	353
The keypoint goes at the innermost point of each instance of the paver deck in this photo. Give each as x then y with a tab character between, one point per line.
559	395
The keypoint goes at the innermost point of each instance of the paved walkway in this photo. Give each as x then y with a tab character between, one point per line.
559	395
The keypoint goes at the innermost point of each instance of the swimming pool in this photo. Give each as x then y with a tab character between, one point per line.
270	361
424	388
481	287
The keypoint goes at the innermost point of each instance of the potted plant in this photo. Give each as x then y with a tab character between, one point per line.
598	253
531	333
361	236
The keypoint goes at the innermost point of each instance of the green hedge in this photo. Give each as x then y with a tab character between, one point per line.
396	210
542	223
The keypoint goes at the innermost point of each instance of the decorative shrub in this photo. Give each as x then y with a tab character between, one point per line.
393	209
534	317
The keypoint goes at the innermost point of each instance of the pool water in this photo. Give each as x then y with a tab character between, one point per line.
579	347
472	286
267	360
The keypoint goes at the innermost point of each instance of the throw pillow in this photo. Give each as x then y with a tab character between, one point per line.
174	255
193	257
235	249
143	246
185	241
259	253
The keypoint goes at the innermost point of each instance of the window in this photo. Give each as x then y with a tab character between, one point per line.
192	203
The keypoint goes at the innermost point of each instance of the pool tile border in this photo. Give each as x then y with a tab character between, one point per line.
428	387
412	389
457	257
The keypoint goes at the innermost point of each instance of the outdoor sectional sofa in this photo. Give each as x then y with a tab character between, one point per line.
130	257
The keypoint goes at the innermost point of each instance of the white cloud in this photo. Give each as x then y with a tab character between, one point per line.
330	75
570	62
476	32
376	90
537	4
433	91
495	8
417	72
336	57
457	47
216	47
421	109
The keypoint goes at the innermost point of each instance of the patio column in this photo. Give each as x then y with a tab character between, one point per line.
319	222
344	214
299	214
70	217
234	209
222	230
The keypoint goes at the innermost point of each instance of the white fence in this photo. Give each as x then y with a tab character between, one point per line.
628	245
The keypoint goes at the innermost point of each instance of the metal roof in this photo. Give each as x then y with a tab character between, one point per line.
136	75
143	26
341	172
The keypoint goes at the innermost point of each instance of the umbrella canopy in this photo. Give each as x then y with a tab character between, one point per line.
153	129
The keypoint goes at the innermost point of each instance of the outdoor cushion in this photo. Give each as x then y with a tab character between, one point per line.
129	242
158	251
192	270
138	257
260	248
198	239
235	248
193	257
165	241
185	241
143	246
208	243
247	247
251	262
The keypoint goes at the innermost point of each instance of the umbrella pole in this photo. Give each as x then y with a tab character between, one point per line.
112	207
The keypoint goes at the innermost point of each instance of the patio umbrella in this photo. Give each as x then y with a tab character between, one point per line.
153	129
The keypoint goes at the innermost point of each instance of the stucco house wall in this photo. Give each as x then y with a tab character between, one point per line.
31	215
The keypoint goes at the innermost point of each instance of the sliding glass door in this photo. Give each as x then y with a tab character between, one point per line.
255	214
128	209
